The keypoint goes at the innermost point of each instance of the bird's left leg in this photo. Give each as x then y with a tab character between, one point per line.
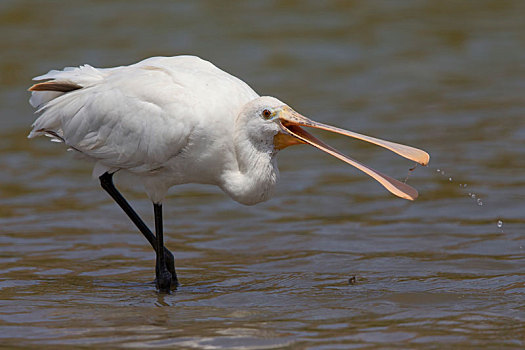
163	276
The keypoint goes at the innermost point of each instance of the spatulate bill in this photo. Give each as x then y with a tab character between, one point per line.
405	151
396	187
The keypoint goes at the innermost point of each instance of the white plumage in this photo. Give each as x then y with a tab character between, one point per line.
164	119
176	120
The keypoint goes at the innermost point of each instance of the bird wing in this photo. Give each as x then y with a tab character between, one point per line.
134	117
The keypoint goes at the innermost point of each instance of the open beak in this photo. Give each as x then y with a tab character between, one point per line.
292	134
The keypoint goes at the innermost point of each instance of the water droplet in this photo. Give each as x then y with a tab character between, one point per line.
500	224
480	202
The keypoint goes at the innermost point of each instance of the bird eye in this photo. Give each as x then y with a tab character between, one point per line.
266	114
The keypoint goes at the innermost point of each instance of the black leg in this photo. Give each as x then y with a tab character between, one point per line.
106	181
162	273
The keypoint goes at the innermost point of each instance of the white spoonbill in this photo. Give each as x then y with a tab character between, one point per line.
177	120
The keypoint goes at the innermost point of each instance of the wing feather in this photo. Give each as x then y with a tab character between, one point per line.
142	116
125	117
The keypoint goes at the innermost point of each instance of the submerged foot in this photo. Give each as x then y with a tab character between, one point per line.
165	276
163	281
170	266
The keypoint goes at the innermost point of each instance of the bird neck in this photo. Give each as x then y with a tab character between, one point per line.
256	174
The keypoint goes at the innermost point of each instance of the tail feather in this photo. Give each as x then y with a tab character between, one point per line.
53	85
61	82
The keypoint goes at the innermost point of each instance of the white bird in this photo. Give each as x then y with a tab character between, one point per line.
177	120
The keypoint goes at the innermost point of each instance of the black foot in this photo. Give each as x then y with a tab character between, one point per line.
163	281
170	266
169	276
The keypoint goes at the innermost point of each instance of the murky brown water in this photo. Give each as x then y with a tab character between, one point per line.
445	76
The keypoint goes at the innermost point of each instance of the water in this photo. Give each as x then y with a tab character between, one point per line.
333	261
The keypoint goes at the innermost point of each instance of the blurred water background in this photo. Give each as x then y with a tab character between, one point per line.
445	270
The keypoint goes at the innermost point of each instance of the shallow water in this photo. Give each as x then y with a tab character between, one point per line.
444	76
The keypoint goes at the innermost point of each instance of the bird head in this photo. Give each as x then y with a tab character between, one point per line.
285	124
